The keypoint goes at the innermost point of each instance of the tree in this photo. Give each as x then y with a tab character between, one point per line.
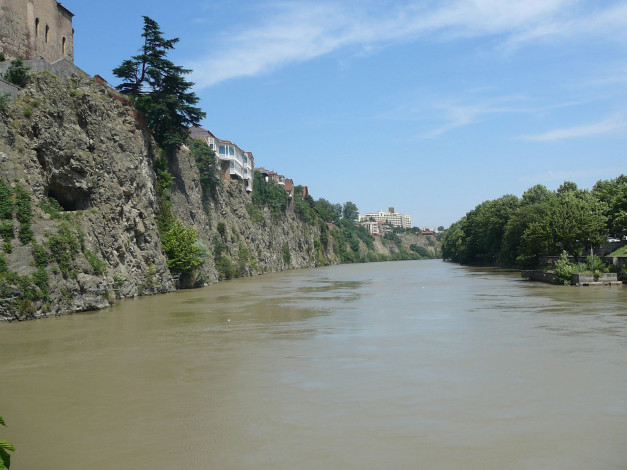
17	73
614	194
159	88
350	211
208	168
5	448
183	253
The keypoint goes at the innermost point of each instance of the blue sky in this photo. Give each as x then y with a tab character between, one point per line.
429	106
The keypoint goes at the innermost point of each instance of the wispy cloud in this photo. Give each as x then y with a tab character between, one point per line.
613	125
571	175
290	32
445	114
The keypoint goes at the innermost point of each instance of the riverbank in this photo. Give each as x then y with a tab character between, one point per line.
91	211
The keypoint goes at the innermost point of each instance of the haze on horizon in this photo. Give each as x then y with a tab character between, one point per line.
427	106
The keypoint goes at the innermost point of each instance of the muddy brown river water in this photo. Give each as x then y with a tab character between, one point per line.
406	365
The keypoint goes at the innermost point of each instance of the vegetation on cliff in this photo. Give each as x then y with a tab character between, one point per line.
517	232
159	88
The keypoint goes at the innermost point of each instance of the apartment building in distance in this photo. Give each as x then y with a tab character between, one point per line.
235	163
390	217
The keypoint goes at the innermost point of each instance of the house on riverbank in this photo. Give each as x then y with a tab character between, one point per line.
235	163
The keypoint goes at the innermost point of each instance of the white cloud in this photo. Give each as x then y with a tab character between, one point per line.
571	175
612	125
298	31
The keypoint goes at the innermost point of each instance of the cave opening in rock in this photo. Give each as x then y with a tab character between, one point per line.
70	199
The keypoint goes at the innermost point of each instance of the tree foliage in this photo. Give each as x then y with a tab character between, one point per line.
350	211
17	73
159	88
208	168
269	194
511	232
5	448
181	249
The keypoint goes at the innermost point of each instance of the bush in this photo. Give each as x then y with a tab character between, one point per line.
6	201
287	256
421	251
208	168
595	264
225	268
52	207
564	269
40	255
5	99
17	73
64	247
179	244
98	265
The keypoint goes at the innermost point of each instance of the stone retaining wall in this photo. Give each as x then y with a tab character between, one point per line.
6	87
62	68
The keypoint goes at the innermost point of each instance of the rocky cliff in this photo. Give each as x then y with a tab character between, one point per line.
80	202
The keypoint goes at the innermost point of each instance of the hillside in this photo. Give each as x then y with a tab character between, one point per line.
81	206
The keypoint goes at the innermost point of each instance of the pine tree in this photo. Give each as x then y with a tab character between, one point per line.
159	88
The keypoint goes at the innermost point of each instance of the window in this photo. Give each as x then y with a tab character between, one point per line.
211	146
222	149
245	159
63	46
36	27
231	151
47	32
232	165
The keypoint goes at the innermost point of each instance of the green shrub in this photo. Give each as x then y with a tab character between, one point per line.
17	73
98	265
64	247
40	279
287	256
421	251
6	230
225	268
256	215
221	228
564	269
594	264
5	448
25	233
5	99
52	207
179	245
40	255
6	201
208	168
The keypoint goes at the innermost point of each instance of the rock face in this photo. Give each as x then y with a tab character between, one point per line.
79	147
73	143
77	175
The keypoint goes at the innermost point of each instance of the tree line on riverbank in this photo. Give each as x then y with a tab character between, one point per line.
517	232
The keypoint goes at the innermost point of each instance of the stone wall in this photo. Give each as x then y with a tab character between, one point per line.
62	68
6	87
36	28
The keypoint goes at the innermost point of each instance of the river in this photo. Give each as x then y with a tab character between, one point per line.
402	365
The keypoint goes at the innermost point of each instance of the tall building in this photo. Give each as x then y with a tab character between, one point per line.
390	217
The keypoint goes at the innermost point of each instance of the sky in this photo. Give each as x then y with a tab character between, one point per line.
427	106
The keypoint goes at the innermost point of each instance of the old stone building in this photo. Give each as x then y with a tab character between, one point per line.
36	28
